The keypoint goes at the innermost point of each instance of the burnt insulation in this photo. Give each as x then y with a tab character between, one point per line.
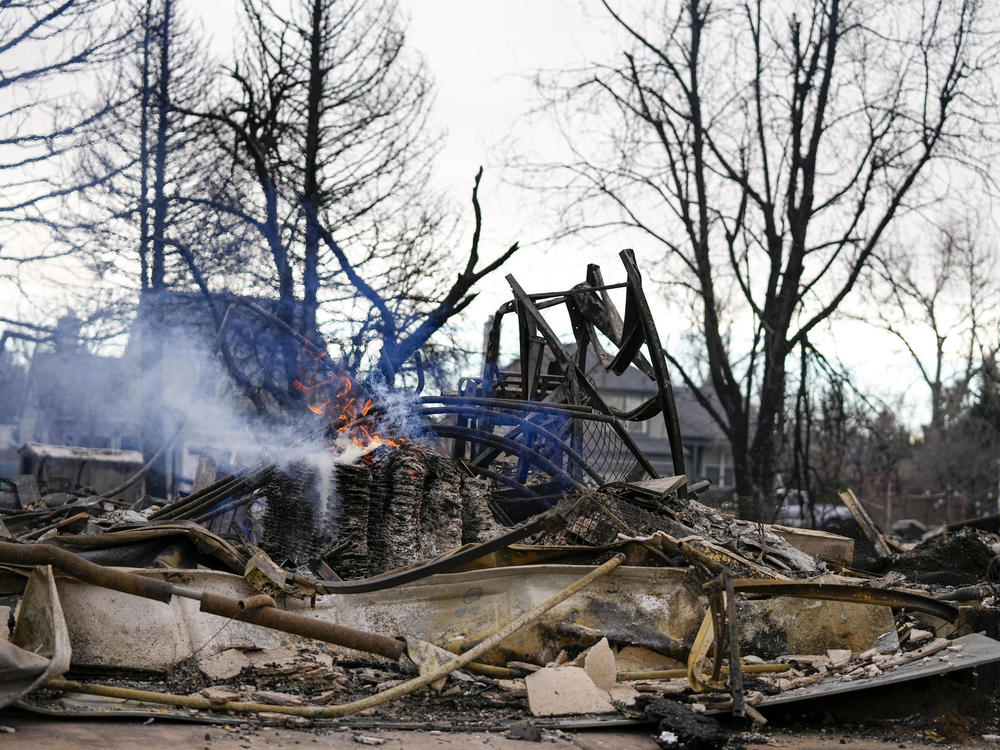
298	524
401	526
380	492
478	523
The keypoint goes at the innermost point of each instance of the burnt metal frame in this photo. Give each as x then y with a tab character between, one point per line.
590	309
526	426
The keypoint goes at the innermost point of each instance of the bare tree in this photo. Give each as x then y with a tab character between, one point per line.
941	306
766	151
148	222
44	46
326	131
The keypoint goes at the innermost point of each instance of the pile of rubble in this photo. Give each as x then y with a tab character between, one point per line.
520	566
631	602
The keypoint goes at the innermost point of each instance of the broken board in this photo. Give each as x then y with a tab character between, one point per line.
977	649
824	545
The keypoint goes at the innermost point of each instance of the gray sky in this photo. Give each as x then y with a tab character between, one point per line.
483	57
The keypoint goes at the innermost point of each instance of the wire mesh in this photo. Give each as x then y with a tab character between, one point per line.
596	444
600	518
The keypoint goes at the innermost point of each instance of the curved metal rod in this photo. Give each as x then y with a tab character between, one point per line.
521	422
840	592
581	410
509	446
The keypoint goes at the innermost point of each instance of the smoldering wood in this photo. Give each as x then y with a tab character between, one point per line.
478	523
395	507
441	510
354	490
400	531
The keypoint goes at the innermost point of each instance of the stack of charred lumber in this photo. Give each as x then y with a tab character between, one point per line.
396	506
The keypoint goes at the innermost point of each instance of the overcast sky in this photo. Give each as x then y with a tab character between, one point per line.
483	57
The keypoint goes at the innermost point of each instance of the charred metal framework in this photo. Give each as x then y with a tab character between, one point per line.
540	432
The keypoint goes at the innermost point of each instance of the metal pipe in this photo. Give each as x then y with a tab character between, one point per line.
346	709
216	604
841	592
289	622
255	601
78	567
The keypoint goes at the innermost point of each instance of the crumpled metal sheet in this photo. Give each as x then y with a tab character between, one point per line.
143	543
453	610
40	650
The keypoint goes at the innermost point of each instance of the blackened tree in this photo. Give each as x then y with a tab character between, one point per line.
325	127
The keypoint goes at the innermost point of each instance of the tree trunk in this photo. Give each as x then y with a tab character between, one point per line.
310	187
769	427
745	496
151	346
144	150
157	279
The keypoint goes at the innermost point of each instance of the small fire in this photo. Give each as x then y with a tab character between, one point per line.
348	411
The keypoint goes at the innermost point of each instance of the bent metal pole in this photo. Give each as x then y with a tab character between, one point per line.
216	604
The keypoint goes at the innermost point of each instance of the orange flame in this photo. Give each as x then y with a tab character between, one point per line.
345	408
318	409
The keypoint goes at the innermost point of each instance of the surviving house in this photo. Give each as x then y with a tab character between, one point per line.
706	450
196	372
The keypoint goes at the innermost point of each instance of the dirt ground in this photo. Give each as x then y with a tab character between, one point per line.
38	733
936	712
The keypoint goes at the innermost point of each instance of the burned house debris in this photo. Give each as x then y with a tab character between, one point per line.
505	557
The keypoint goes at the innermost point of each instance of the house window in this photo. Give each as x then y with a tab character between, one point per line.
638	428
712	475
718	471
